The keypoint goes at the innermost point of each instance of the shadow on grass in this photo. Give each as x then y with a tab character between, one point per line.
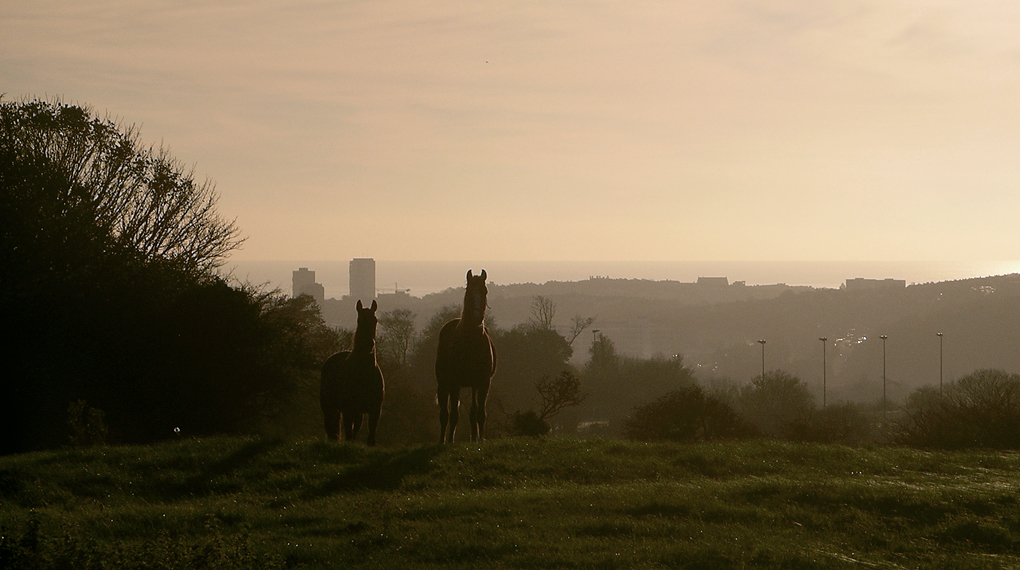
214	477
385	473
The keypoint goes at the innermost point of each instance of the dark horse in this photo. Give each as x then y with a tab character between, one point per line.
352	383
466	359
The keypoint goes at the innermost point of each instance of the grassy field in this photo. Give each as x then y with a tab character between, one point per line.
517	503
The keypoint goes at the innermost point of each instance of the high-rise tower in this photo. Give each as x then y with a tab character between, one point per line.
303	282
362	271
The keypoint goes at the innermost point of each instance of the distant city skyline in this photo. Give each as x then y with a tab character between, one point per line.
424	277
592	130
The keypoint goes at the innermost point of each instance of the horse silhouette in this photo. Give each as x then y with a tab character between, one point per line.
466	359
352	383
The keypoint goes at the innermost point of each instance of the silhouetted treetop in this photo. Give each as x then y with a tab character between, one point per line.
138	197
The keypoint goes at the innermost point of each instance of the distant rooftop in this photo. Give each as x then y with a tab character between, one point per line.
713	281
862	284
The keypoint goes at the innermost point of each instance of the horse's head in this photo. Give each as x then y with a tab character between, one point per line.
474	298
367	322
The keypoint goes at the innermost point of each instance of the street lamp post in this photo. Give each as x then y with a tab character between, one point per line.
940	364
883	337
762	343
824	340
595	336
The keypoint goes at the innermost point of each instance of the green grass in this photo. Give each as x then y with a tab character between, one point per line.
516	503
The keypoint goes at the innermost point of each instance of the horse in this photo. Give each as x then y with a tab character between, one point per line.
352	383
466	358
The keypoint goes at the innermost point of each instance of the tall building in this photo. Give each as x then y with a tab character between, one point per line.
362	271
303	282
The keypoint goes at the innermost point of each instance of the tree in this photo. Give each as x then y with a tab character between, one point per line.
981	409
108	253
685	414
137	197
778	404
559	393
397	335
542	312
578	324
603	355
526	355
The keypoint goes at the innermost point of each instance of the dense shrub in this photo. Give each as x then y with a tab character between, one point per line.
617	384
777	404
685	414
108	257
839	423
981	409
528	424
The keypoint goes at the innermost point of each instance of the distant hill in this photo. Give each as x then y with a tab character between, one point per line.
716	326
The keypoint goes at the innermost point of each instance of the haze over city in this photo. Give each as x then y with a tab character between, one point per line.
584	131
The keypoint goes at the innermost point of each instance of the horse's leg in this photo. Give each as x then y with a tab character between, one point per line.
373	421
478	397
474	414
454	412
358	418
443	397
347	420
331	420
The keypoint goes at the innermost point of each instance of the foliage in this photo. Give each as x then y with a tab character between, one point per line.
685	414
528	424
29	548
844	423
578	325
396	336
102	180
618	384
543	310
777	404
512	503
86	425
981	409
526	355
559	393
107	259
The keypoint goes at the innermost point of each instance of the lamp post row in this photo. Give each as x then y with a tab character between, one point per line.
825	341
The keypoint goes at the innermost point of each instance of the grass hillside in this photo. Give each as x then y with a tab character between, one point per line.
516	503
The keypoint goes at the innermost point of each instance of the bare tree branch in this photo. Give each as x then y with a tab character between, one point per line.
578	326
559	393
542	312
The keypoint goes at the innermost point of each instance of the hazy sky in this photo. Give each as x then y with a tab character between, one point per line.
583	130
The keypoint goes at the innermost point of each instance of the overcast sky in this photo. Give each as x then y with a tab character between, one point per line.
568	130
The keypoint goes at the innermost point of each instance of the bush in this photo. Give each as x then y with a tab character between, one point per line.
840	423
981	409
108	257
685	414
86	425
528	424
778	405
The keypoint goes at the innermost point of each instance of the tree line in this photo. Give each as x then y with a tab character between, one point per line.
121	329
119	324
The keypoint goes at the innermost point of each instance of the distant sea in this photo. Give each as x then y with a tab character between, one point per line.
421	278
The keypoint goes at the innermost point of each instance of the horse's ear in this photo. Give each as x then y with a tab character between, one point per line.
359	304
469	274
483	275
374	305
